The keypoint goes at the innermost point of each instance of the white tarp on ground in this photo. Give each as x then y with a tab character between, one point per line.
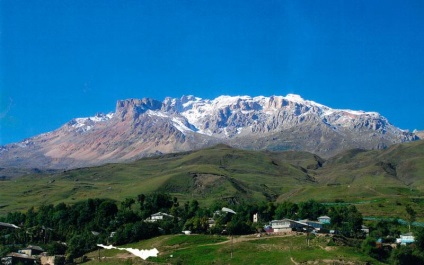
143	253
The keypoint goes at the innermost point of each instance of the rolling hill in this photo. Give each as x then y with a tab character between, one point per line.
392	177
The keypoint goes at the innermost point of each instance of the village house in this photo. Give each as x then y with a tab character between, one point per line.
386	246
32	250
286	225
159	217
32	255
324	219
211	222
365	230
18	258
405	239
317	226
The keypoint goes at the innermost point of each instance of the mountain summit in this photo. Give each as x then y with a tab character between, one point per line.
145	127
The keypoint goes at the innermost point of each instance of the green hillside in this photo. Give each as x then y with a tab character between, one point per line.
380	182
203	249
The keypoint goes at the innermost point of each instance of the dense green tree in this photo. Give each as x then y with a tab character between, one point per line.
56	248
31	218
370	248
348	220
16	218
153	203
44	214
80	244
217	205
123	217
310	210
133	232
218	227
82	213
286	209
193	208
354	221
141	198
6	249
266	211
105	215
127	203
239	227
197	224
337	215
405	255
419	239
176	211
61	220
172	225
384	229
411	215
175	202
247	210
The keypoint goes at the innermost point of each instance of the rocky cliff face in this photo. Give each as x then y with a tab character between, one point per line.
145	127
420	134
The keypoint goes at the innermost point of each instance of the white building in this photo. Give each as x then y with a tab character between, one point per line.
159	217
255	217
286	225
405	239
324	219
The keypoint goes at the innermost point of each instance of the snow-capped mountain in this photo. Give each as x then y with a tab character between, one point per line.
144	127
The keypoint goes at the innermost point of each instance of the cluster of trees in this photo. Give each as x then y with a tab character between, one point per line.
385	233
84	224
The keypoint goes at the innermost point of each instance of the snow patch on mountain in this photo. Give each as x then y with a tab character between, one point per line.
87	123
157	113
212	117
179	124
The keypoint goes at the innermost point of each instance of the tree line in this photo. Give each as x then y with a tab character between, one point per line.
85	224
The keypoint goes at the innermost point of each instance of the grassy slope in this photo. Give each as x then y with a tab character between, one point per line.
240	174
202	249
381	182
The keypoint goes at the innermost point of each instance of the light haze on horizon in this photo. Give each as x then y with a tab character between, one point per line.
61	60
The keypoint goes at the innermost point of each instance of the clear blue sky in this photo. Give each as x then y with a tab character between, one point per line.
73	58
